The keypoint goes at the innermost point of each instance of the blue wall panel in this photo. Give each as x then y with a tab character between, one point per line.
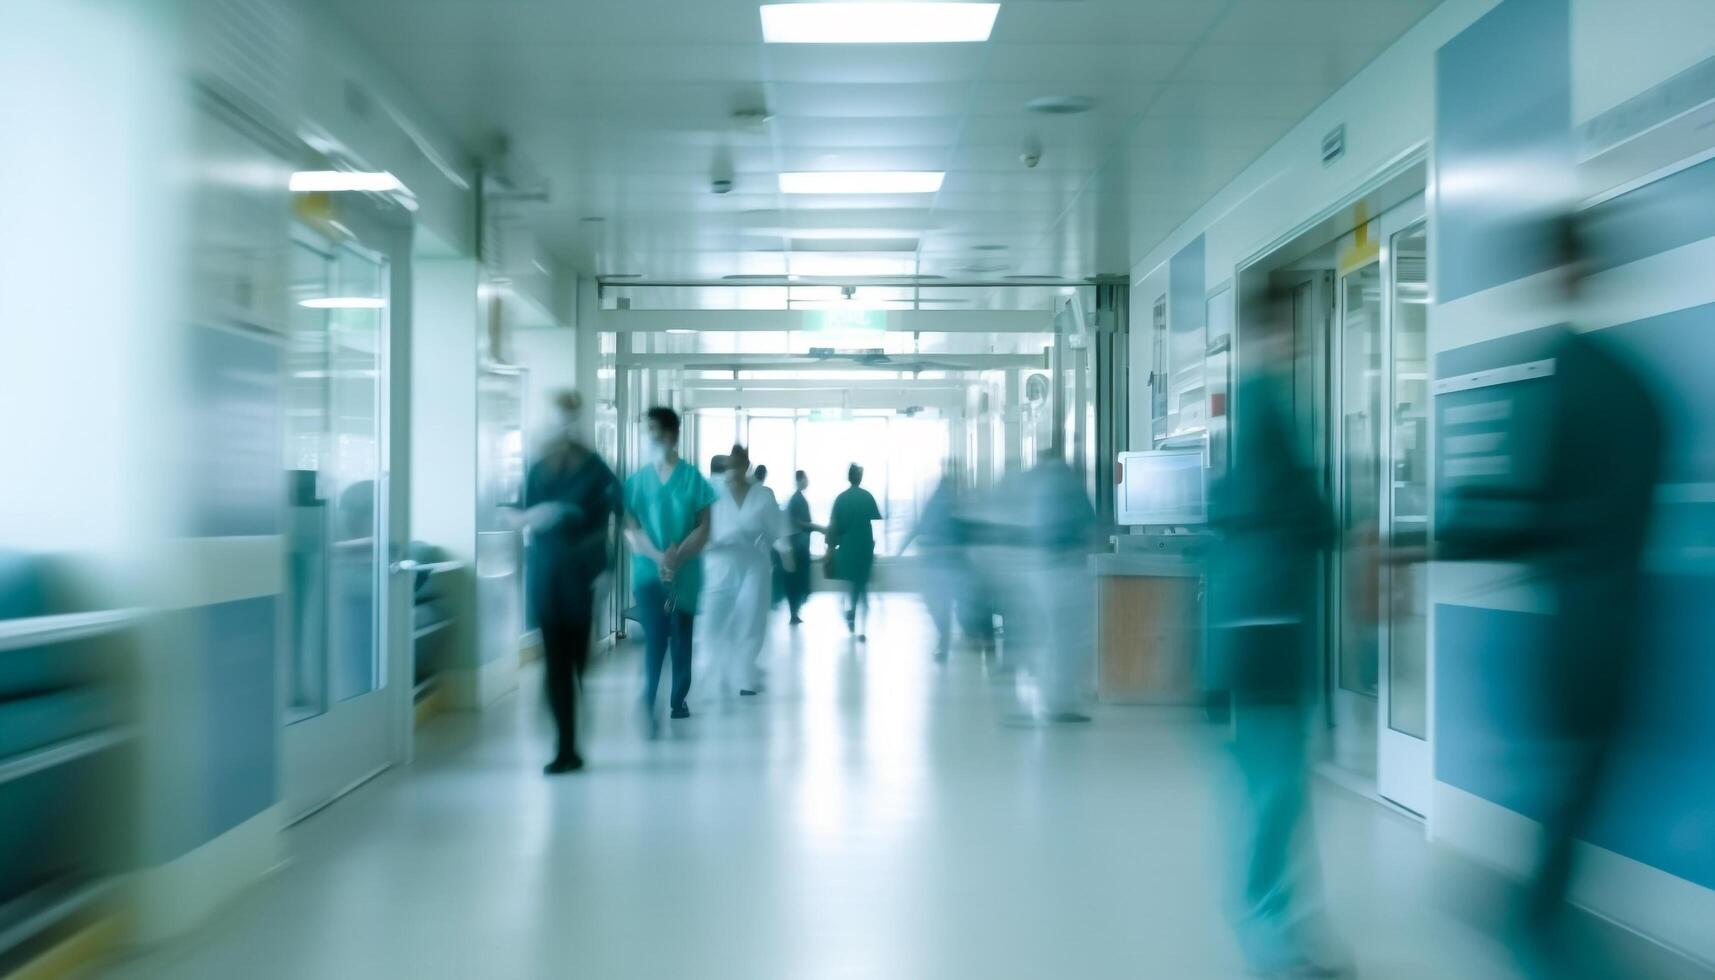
1503	114
1659	802
1186	309
240	727
1676	210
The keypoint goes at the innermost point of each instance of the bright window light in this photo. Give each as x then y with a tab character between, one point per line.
305	181
344	303
877	23
878	182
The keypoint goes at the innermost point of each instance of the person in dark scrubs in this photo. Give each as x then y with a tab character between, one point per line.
571	499
799	520
1582	529
1272	530
853	538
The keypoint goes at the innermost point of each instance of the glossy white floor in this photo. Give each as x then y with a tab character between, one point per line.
866	818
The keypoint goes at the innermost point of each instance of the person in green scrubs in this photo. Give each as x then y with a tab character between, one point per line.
853	540
666	524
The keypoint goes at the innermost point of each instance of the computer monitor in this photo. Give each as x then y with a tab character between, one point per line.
1165	488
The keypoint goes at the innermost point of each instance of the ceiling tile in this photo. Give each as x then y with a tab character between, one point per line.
1115	21
1367	24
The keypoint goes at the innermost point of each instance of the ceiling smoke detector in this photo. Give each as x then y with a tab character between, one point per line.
1061	105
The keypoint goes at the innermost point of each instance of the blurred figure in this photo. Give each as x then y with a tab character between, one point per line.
1583	529
570	500
1058	528
746	527
801	525
936	536
776	557
851	545
1272	527
667	506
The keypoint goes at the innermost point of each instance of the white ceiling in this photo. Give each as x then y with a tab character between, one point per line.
626	107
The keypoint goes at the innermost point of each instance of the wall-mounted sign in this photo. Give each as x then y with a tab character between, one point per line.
846	319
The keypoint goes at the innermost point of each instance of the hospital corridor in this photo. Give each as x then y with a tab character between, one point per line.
857	489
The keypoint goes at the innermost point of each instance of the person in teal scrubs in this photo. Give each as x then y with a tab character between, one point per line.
667	524
853	540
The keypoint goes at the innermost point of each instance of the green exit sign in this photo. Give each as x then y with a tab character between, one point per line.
855	319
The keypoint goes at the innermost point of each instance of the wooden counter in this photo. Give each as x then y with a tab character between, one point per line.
1149	628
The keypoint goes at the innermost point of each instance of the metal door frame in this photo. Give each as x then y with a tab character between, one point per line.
1402	761
326	755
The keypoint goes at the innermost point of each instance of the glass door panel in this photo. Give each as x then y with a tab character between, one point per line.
354	367
1361	420
309	475
1407	611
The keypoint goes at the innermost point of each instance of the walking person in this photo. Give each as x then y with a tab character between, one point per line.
667	506
746	528
801	525
937	540
571	499
852	540
1273	528
1061	530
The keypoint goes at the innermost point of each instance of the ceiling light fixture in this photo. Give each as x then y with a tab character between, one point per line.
343	303
874	182
307	181
802	244
678	330
877	23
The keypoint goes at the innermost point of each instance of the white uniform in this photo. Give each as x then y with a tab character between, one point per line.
738	583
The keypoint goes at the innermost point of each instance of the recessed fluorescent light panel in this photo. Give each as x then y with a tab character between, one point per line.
875	182
800	244
381	182
877	23
344	303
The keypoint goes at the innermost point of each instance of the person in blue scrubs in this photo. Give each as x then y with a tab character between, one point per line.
667	525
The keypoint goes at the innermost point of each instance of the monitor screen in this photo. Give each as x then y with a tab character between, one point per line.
1161	489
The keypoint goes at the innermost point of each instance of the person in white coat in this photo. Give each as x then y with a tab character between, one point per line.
746	525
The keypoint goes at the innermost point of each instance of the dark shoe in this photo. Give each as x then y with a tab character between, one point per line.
1069	718
795	621
747	693
571	763
680	712
863	638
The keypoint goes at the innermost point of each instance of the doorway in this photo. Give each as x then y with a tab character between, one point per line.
341	710
1360	389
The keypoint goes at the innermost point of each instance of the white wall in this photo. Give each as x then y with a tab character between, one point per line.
1388	109
1622	47
383	136
551	356
443	404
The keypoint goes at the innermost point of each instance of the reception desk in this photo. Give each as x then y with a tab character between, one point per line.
1149	628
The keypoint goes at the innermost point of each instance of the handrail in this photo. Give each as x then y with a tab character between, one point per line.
66	750
35	631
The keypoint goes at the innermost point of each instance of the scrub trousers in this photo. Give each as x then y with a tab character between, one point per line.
665	633
1276	892
565	612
